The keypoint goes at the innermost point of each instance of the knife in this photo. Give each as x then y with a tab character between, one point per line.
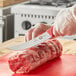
41	38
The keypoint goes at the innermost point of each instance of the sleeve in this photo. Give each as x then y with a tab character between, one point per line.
73	9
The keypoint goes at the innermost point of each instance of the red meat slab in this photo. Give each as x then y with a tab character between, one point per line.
63	66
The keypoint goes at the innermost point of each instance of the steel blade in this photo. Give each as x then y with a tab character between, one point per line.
33	42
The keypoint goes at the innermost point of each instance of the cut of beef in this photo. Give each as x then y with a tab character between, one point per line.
28	59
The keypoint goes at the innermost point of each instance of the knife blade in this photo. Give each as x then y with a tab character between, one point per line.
43	37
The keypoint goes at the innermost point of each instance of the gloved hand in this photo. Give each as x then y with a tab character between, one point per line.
65	22
36	30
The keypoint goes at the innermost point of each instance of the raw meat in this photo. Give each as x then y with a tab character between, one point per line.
28	59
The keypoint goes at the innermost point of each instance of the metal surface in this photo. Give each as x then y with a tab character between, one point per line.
7	18
33	42
7	31
8	27
33	14
1	30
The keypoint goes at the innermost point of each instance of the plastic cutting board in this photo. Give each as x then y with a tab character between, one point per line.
63	66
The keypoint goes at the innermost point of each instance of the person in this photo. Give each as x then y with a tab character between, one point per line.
64	24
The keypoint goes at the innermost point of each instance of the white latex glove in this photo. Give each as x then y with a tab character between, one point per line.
36	30
65	22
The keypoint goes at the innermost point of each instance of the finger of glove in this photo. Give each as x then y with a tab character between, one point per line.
29	34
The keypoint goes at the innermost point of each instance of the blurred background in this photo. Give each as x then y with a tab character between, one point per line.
18	16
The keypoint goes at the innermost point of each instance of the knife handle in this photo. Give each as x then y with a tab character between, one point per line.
50	32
